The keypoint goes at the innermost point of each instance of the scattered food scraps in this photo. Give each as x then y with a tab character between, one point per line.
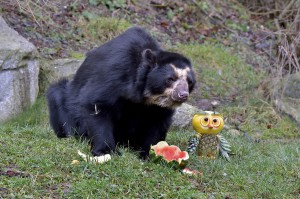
97	159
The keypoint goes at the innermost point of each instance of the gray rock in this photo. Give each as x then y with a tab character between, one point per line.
292	86
289	106
18	72
52	71
288	97
233	132
183	116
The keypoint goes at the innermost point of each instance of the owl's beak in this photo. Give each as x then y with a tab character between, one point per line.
210	125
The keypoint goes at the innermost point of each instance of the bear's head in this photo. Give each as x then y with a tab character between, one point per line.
170	81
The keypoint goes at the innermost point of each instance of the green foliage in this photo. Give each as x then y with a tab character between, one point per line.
39	165
115	4
170	14
77	55
203	5
102	29
242	11
111	4
236	26
94	2
89	15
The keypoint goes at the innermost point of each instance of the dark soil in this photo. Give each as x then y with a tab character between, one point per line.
52	25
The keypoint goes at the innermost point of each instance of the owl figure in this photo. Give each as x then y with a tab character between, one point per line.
207	142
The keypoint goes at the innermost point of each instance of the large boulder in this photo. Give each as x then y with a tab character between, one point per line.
183	116
288	96
54	70
18	72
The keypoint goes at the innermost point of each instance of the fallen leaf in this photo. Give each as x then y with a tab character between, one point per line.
75	162
191	172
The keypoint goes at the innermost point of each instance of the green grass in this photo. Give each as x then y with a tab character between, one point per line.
34	163
260	119
221	73
40	163
102	29
42	166
225	76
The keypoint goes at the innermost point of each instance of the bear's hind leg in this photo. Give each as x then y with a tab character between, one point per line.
59	117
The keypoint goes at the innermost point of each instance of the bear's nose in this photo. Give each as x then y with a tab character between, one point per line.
183	95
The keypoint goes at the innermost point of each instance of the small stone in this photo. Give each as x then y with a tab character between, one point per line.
234	132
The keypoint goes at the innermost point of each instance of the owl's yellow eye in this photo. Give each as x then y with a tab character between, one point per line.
204	121
216	122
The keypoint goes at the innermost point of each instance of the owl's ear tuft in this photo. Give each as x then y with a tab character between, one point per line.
201	113
197	115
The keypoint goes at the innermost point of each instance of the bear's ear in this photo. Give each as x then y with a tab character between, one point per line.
149	57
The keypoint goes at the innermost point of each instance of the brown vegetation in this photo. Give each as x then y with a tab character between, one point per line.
284	19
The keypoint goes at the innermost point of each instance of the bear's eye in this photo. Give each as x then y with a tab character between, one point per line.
170	80
189	81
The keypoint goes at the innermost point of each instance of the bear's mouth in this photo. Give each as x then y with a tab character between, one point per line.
167	99
178	97
163	101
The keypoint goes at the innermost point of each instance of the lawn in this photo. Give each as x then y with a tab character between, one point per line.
36	164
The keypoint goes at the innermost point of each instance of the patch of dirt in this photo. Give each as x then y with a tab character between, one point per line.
52	26
12	171
54	189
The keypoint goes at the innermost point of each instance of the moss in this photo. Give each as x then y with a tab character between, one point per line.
77	55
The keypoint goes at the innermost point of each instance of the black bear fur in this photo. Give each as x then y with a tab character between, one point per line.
108	102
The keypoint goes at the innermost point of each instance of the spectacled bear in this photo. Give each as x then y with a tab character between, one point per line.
125	92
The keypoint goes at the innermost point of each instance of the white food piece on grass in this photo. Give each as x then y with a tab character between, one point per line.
96	159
